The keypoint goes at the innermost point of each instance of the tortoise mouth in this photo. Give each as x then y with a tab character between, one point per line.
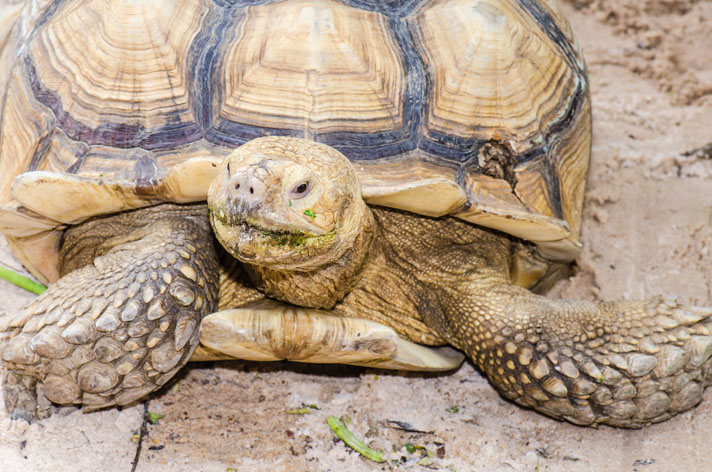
254	226
273	236
253	241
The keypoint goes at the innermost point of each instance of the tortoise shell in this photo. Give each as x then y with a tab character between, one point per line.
475	108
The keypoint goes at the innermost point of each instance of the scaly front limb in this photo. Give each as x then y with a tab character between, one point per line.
625	364
123	320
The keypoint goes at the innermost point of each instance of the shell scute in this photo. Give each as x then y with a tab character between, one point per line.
416	94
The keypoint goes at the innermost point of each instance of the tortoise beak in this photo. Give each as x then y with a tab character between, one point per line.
248	187
244	195
253	194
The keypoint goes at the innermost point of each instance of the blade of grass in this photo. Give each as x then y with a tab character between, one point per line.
340	429
21	281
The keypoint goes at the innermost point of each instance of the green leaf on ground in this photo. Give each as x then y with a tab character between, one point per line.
340	429
154	417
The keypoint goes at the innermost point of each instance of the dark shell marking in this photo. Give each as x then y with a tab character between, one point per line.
204	56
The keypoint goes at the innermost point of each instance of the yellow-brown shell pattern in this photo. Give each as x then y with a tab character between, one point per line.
486	98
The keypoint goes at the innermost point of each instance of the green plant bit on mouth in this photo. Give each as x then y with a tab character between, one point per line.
310	213
296	239
21	281
290	204
340	429
453	409
299	411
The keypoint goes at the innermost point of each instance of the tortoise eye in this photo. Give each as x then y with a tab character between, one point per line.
301	190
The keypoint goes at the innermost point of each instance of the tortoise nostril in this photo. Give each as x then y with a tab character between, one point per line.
247	186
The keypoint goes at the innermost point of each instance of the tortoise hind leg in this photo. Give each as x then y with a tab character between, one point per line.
119	327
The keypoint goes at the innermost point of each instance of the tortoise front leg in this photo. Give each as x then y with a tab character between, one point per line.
119	327
627	363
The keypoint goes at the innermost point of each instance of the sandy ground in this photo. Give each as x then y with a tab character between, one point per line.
647	231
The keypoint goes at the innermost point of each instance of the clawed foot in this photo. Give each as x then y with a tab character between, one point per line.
116	329
25	399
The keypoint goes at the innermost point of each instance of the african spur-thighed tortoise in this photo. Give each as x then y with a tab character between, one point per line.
465	127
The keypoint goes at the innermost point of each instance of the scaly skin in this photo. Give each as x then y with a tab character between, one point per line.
123	320
626	364
440	280
321	237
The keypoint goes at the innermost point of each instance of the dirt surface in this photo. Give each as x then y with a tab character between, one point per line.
647	231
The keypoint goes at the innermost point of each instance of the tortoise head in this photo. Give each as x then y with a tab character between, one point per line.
287	203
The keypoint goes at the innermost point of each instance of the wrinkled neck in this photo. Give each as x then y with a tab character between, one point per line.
327	284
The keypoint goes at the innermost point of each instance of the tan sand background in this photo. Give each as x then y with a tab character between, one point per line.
647	231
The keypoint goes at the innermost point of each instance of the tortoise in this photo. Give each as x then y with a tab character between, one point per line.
378	174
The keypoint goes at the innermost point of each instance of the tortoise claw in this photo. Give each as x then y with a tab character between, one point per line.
116	329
